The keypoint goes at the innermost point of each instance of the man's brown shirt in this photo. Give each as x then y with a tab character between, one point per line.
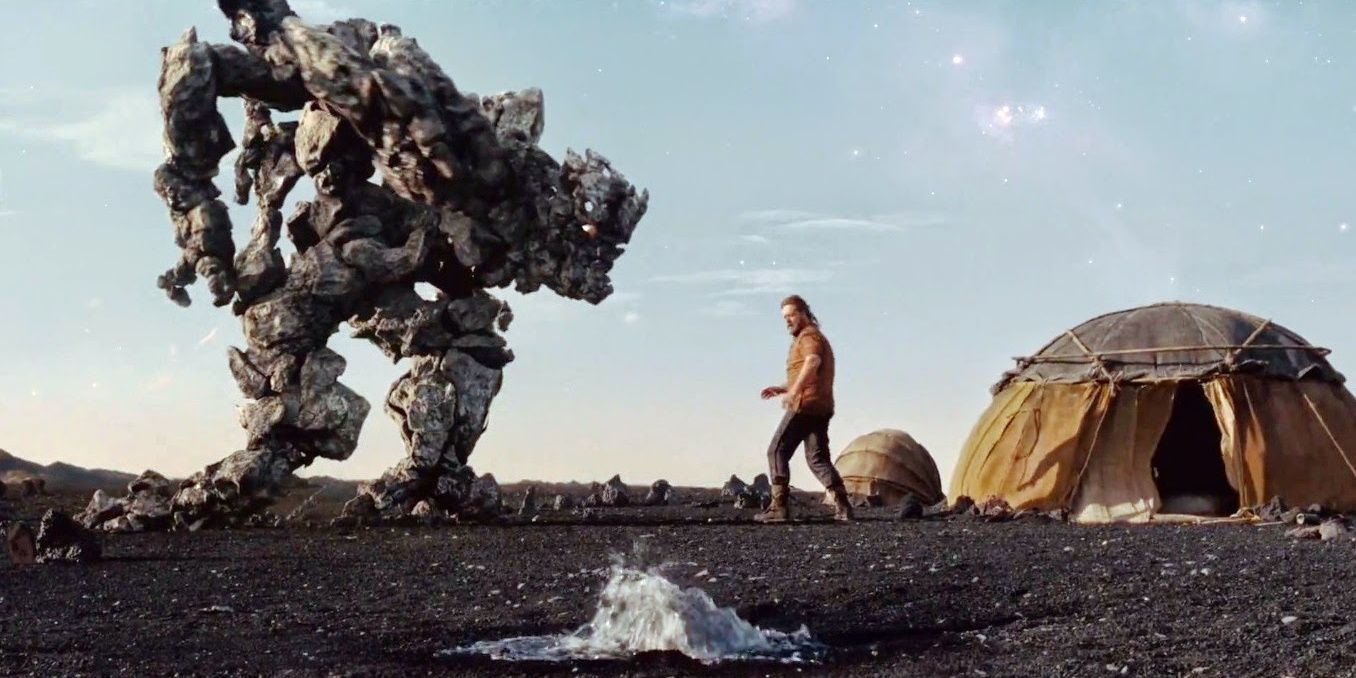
817	392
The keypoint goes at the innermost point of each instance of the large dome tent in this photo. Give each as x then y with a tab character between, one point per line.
1162	409
889	464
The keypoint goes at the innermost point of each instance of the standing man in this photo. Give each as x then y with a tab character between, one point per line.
807	397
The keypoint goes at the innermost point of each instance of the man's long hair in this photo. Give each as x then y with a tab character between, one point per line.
800	305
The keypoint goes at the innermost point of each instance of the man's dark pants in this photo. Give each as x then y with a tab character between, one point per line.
811	429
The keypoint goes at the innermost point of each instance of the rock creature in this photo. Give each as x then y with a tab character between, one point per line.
466	202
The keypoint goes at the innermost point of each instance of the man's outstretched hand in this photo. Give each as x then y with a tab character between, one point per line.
773	392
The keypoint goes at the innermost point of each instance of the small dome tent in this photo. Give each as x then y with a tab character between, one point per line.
1163	409
889	464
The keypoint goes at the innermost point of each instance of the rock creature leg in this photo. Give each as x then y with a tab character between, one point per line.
441	404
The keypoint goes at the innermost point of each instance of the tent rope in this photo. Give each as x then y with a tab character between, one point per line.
1331	437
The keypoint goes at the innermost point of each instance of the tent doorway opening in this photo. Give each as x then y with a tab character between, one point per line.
1188	466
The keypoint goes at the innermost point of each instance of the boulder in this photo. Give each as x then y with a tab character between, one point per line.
660	491
614	493
485	500
761	486
62	540
19	544
150	482
962	505
101	509
733	487
562	503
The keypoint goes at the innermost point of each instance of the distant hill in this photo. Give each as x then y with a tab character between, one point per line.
60	475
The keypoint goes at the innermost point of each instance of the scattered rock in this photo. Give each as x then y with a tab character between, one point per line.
19	544
485	500
263	519
1272	510
1303	532
32	487
62	540
733	488
761	486
1332	529
614	493
101	509
995	509
748	500
659	493
1308	518
529	505
302	511
910	507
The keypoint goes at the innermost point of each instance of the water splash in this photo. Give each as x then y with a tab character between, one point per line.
643	611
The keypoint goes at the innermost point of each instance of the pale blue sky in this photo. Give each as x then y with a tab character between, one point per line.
857	153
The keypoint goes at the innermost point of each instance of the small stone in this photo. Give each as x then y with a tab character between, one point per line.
1332	529
1303	532
995	509
1289	619
1272	510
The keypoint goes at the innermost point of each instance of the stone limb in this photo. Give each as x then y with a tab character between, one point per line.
442	405
195	138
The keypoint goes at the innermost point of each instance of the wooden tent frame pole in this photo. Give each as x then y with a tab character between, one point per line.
1095	356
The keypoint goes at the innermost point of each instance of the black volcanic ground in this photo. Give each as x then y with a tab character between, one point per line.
946	597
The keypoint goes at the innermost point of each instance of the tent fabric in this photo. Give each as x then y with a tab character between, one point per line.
889	464
1296	440
1117	482
1173	341
1089	447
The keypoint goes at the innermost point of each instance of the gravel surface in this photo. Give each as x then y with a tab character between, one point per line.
955	596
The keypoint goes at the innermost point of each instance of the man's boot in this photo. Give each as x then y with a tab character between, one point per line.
842	509
779	510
